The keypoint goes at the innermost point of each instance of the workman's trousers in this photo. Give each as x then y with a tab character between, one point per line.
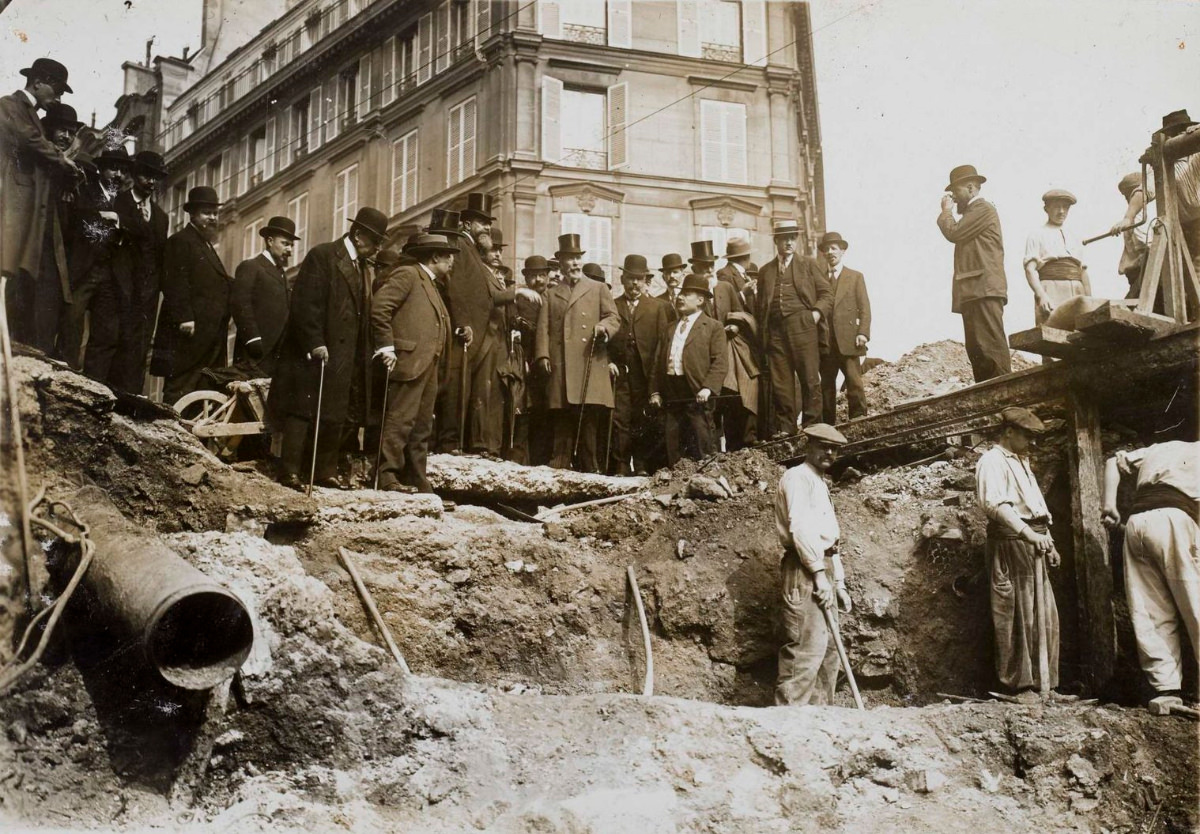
793	352
687	424
1162	584
407	424
983	332
808	659
566	423
833	363
297	448
485	400
1014	614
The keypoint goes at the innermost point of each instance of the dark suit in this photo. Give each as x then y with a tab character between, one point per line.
732	275
686	422
851	319
329	307
980	289
786	302
259	301
408	315
733	418
147	240
634	350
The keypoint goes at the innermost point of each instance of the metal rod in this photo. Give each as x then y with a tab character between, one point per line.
1114	232
369	601
587	373
382	422
312	471
462	403
831	621
648	679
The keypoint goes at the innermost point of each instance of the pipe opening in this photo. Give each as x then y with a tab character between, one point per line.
201	639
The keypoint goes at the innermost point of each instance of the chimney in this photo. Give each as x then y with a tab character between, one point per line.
149	44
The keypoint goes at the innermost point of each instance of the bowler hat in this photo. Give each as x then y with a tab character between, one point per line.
61	114
569	245
479	205
497	239
736	247
830	238
785	228
150	162
825	433
444	222
280	226
1022	418
751	268
114	158
385	259
964	173
201	195
429	244
371	220
702	253
1176	121
594	272
695	283
635	265
553	263
671	261
535	263
51	70
1059	194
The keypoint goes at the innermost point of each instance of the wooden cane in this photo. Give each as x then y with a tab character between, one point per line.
387	377
312	471
1039	602
587	372
608	443
462	404
831	621
376	618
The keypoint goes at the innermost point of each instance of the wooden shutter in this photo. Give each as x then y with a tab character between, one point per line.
425	48
689	27
711	145
351	192
298	211
244	167
315	100
618	136
398	174
552	90
269	148
754	32
454	147
549	19
410	170
599	243
735	142
227	174
442	58
468	138
388	90
404	172
620	24
365	104
483	18
339	203
283	139
333	114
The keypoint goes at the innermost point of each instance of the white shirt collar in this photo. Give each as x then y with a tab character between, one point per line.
267	254
837	271
692	318
29	98
428	272
973	199
350	248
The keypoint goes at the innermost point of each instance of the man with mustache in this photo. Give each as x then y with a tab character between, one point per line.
261	295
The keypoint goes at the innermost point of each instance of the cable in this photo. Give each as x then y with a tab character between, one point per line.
10	378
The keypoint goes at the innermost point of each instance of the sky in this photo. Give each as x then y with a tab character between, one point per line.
1037	94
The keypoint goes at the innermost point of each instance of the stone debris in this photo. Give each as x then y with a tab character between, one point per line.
469	478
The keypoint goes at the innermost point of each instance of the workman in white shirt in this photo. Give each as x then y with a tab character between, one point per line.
1054	266
812	577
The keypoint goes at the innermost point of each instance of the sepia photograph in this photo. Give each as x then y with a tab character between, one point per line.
600	416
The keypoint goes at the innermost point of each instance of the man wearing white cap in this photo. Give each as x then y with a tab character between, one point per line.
1054	264
808	531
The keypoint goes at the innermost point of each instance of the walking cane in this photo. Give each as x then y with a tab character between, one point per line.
312	472
608	442
587	372
462	405
1039	602
387	377
841	650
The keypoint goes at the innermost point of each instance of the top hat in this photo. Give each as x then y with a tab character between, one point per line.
201	195
1022	418
444	222
61	114
702	253
671	261
535	263
785	228
829	239
736	247
50	69
113	158
695	283
150	162
594	272
635	266
964	173
1059	194
280	226
479	205
825	433
569	245
497	238
1173	122
429	244
371	220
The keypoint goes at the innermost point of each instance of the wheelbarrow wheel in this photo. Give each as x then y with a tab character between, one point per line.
207	407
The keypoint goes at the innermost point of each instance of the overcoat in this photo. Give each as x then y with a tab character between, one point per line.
470	297
90	239
564	334
148	241
260	301
978	253
195	288
407	313
705	356
851	314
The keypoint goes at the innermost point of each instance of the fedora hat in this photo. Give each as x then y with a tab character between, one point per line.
444	222
429	244
695	283
964	173
635	265
594	272
51	70
371	220
569	245
479	205
62	114
201	195
785	228
385	259
1059	194
829	239
702	253
151	162
1176	121
113	158
736	247
280	226
751	268
671	261
535	263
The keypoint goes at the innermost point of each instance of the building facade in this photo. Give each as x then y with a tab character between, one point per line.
639	125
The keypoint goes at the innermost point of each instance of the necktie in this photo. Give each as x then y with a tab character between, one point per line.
146	209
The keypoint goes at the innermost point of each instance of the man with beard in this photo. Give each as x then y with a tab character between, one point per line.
194	323
636	434
260	297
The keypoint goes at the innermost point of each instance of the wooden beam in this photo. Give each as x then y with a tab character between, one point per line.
1117	323
229	429
1045	341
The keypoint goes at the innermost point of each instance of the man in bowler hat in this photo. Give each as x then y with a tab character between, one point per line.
261	297
847	332
636	435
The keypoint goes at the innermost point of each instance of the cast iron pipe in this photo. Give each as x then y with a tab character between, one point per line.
191	630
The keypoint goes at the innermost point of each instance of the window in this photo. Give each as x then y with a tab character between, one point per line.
460	151
331	104
425	48
587	21
722	141
345	198
443	23
299	126
584	130
256	157
720	236
315	99
404	172
720	31
298	211
178	198
279	145
595	235
212	176
365	102
250	244
347	95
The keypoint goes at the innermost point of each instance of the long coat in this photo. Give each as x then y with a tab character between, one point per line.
148	242
705	356
195	288
407	313
851	314
260	302
90	239
470	297
637	341
564	334
978	253
804	287
330	306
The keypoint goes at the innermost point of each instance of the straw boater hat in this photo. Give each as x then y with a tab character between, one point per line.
535	263
1022	418
569	245
702	253
201	195
1058	194
52	70
826	434
635	266
695	283
830	239
280	226
785	228
370	220
671	261
964	173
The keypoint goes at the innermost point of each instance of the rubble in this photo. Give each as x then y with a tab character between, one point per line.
470	478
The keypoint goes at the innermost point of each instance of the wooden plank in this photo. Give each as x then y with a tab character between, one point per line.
1117	323
1093	568
1045	341
229	429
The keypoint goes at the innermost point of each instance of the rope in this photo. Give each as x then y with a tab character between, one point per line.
10	377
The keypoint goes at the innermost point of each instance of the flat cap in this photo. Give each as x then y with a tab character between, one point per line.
1059	194
1022	418
1129	183
825	433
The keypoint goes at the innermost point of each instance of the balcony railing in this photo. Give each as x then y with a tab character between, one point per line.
584	158
584	34
721	52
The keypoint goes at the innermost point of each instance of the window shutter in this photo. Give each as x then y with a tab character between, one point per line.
244	167
425	48
754	32
735	142
365	104
226	174
600	243
468	133
404	172
620	24
549	19
283	139
689	27
454	147
410	170
388	91
397	175
351	192
269	149
442	59
483	18
339	203
315	100
333	114
552	90
618	141
711	141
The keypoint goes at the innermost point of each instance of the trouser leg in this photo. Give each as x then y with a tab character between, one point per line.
1014	614
804	347
564	421
622	427
403	402
983	332
75	317
831	366
734	418
808	660
485	415
104	332
450	401
416	451
294	442
701	428
856	393
783	379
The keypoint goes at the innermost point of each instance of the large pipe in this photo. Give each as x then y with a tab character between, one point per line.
190	629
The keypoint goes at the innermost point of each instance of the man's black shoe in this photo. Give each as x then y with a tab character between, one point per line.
293	482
